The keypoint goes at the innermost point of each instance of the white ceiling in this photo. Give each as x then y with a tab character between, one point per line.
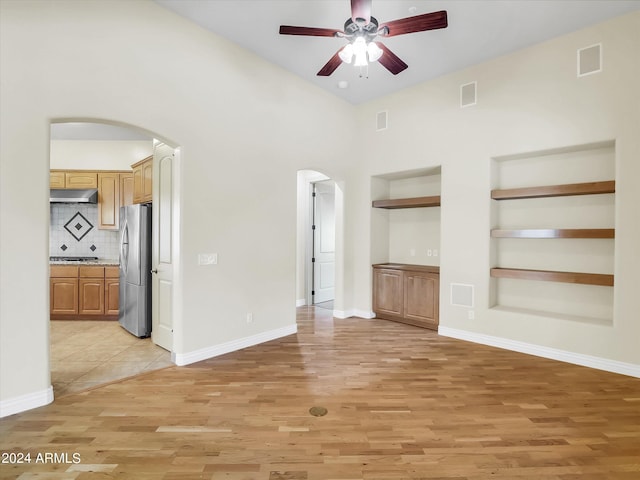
478	31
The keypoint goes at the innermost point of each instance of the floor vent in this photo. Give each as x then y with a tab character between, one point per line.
381	121
461	295
468	94
590	60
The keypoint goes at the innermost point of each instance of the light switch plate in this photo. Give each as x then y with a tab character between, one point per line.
207	259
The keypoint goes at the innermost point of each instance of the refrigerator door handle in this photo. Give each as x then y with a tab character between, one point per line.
124	248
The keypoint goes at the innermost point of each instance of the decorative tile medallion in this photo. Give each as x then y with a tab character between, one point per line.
93	248
63	247
78	226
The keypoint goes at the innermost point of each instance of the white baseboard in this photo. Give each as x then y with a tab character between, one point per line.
182	359
301	302
354	312
598	363
22	403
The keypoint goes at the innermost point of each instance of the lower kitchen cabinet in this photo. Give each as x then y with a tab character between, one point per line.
84	292
63	291
407	293
111	290
91	296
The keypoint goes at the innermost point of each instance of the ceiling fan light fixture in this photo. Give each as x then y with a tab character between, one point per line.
346	54
374	52
360	52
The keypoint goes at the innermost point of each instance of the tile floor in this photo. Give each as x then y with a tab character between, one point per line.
327	305
89	353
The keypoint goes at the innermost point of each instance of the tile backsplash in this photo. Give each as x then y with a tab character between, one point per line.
74	232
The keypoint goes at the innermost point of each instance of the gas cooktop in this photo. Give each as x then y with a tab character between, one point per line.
72	259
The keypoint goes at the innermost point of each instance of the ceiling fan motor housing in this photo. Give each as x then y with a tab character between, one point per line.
354	29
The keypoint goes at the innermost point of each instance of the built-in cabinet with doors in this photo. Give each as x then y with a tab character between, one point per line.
406	240
115	189
407	293
143	180
84	292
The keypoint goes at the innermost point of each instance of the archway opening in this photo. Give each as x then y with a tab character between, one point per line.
88	346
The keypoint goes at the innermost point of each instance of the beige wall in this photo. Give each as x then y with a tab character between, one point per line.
98	154
529	101
245	128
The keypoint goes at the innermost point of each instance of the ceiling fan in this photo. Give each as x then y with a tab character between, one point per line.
361	30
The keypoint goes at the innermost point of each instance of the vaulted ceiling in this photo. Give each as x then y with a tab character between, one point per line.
478	31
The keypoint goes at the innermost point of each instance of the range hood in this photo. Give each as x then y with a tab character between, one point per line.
89	195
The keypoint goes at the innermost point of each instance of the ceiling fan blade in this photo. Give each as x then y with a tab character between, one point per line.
361	9
419	23
308	31
330	67
390	60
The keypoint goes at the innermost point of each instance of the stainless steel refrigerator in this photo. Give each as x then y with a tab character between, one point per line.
135	269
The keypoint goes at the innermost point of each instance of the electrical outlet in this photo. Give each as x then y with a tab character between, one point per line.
471	314
435	252
412	252
249	317
429	253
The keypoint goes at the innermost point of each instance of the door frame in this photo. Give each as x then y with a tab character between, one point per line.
315	234
305	177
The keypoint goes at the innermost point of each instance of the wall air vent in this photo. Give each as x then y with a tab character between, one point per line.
381	121
468	94
590	60
461	295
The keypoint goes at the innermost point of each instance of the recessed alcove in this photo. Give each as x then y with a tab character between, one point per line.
553	233
406	217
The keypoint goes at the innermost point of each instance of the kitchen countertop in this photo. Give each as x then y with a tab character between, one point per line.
100	261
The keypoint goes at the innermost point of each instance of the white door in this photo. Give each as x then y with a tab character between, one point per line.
324	241
163	255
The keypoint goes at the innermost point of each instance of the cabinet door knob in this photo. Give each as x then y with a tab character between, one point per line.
154	271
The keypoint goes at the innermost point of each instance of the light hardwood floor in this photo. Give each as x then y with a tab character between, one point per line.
402	402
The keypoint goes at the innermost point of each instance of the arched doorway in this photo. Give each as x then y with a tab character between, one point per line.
84	353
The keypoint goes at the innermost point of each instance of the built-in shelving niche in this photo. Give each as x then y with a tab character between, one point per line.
553	233
405	224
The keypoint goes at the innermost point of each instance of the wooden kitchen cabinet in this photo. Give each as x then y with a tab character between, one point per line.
407	293
91	296
73	179
63	290
115	188
126	189
84	292
111	290
91	290
109	200
143	180
56	179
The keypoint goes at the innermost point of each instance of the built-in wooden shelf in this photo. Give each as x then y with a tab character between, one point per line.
555	233
591	188
550	276
415	202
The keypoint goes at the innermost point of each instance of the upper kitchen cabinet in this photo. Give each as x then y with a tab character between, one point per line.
56	179
108	200
126	189
73	179
115	190
142	180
